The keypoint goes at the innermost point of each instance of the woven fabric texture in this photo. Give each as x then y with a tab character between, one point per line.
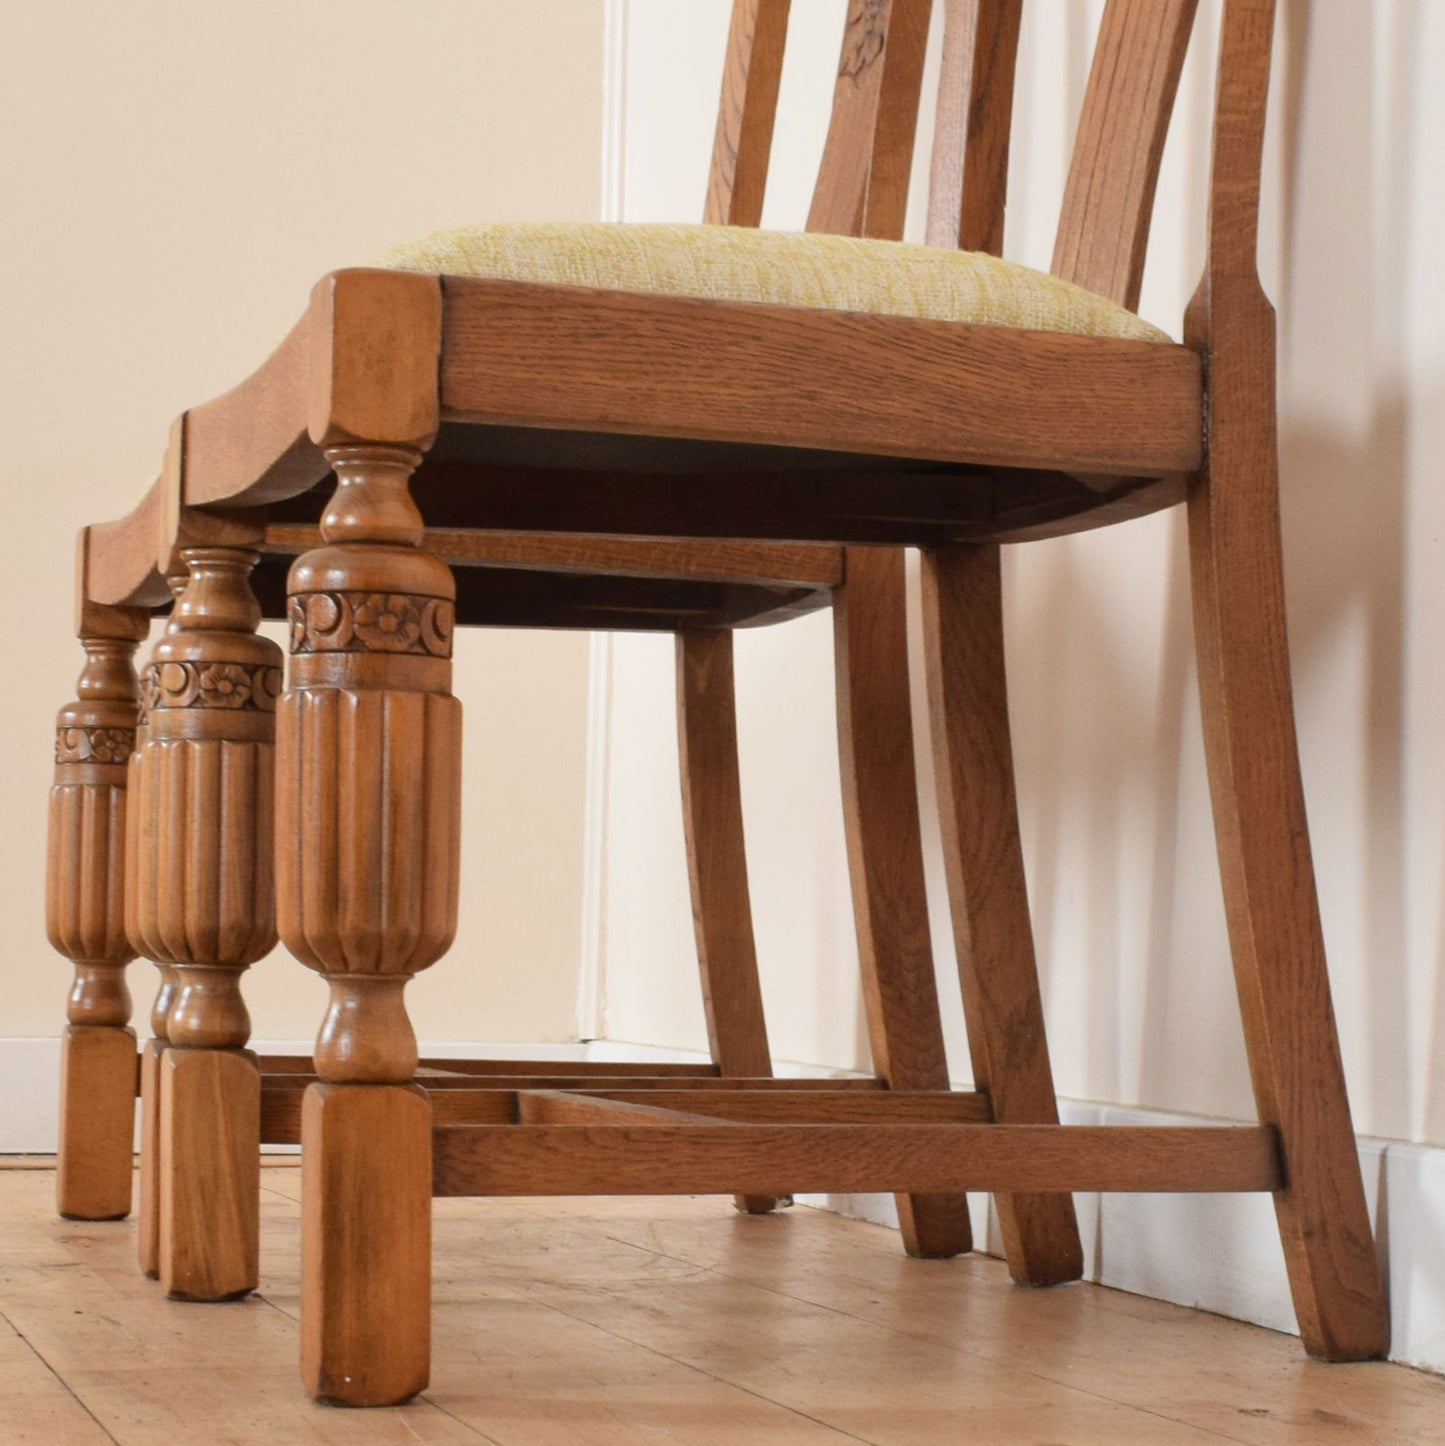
735	263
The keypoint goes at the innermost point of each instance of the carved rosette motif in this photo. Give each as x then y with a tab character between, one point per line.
371	622
185	684
93	744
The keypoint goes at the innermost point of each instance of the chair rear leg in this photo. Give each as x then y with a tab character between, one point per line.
1269	892
885	860
717	867
988	897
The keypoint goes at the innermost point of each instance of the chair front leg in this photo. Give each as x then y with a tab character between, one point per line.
369	822
85	920
205	908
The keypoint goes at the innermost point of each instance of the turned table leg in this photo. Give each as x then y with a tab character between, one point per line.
368	824
204	906
85	920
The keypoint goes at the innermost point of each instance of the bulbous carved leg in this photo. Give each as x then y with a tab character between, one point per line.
204	910
368	814
85	920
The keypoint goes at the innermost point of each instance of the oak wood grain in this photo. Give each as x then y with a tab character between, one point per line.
1109	195
573	1068
366	1243
717	864
210	1173
968	168
94	1167
718	1158
885	860
723	560
984	867
553	356
251	445
148	1202
747	109
85	897
820	1106
862	185
712	815
372	347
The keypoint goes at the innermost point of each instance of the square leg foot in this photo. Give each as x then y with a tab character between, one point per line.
366	1192
210	1173
97	1122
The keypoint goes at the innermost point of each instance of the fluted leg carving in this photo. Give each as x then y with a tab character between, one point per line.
204	909
368	824
85	920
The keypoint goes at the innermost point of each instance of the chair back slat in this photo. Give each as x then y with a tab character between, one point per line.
885	204
1109	196
862	187
743	139
968	170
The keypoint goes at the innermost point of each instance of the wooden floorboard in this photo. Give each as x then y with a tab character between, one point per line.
618	1321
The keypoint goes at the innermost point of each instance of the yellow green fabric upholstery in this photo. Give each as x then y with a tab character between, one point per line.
735	263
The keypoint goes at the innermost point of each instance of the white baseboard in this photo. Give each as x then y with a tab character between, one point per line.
1216	1252
29	1096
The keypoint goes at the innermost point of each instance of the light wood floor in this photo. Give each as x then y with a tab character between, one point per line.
605	1321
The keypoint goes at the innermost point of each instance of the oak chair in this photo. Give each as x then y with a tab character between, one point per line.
495	403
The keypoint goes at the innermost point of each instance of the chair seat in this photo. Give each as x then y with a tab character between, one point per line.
736	263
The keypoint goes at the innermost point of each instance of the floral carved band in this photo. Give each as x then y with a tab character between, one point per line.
254	686
371	622
93	745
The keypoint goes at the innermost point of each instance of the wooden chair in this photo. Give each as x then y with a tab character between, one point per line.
508	404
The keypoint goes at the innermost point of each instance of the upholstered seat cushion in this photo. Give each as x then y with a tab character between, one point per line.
734	263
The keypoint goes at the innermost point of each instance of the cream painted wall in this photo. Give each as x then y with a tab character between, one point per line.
173	179
1114	804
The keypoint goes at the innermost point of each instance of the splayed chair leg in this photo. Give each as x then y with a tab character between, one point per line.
983	858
